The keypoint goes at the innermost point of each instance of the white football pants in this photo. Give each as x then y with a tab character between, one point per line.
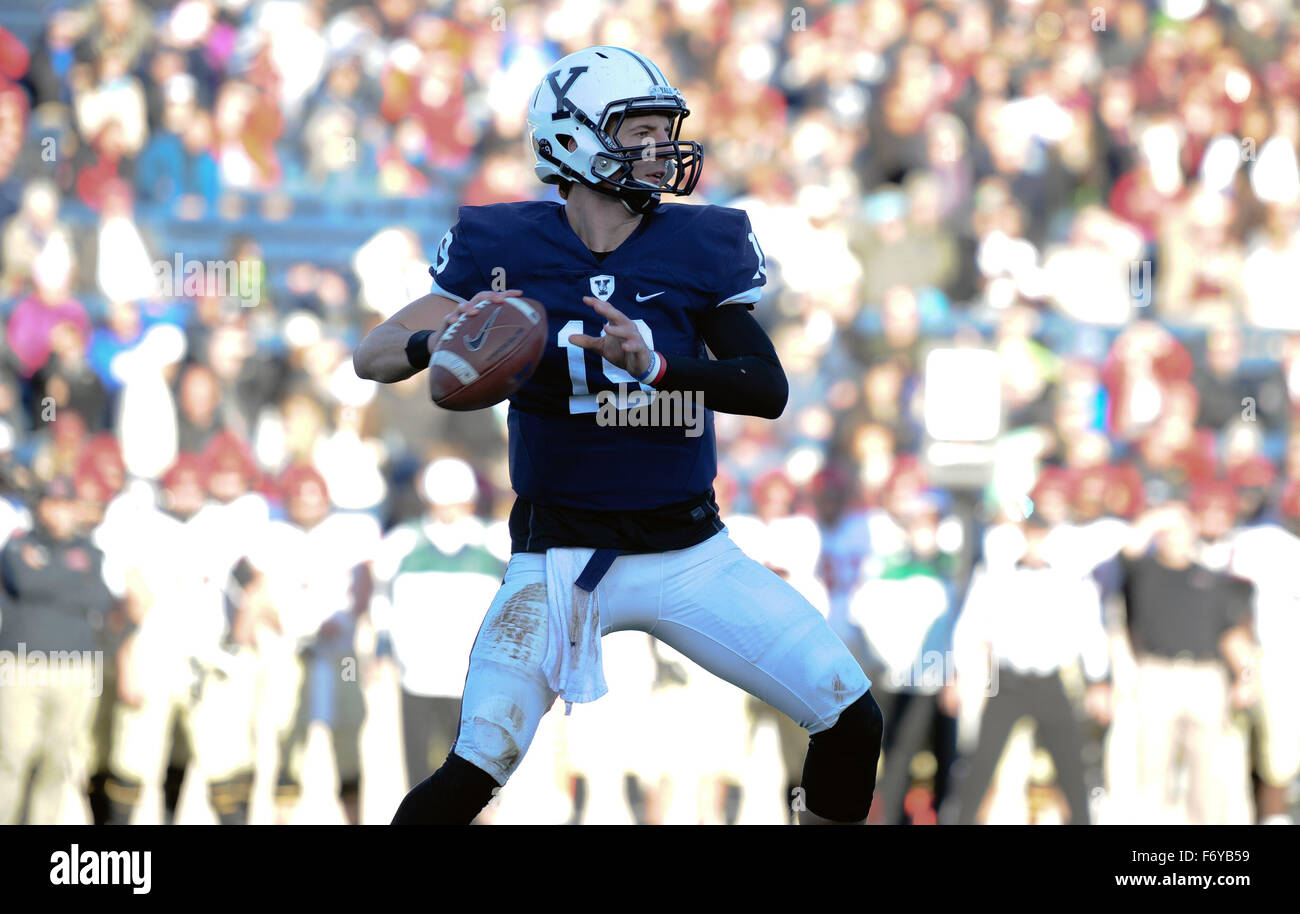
711	602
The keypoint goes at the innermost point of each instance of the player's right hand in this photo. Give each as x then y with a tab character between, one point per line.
479	300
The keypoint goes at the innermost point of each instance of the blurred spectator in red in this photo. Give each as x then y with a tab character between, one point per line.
102	459
503	177
13	130
105	169
1145	194
1215	505
403	162
36	318
1144	361
1252	475
1173	450
247	123
1051	496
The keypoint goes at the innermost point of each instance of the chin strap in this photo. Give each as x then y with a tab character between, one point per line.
636	203
644	206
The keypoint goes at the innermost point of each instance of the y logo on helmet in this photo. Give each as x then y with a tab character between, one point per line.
602	287
562	105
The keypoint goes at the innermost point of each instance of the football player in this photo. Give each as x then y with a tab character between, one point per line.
635	290
174	668
311	581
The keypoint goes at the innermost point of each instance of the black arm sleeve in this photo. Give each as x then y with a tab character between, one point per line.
746	378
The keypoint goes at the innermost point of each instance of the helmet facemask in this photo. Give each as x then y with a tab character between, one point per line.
612	165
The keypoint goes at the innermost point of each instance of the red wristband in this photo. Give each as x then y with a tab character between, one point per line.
663	367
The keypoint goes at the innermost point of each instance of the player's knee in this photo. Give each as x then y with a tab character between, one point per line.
492	745
839	775
858	731
495	731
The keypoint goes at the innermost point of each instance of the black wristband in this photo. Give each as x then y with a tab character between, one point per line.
417	349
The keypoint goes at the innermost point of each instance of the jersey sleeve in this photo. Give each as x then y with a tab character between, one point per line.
744	273
455	272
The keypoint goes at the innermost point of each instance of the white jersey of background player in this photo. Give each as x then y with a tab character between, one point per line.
310	571
1268	556
177	572
313	580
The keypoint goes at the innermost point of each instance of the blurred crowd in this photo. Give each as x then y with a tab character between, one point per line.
1093	622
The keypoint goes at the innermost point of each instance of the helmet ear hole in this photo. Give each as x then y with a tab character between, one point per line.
567	141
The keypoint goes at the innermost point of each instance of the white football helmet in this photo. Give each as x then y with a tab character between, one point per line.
586	97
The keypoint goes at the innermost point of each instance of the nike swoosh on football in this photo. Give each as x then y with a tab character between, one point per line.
474	344
640	297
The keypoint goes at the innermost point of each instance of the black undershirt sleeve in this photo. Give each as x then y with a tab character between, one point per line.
746	378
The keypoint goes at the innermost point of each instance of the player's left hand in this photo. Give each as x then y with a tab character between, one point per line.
621	345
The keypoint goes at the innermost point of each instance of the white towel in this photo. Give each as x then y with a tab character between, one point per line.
572	664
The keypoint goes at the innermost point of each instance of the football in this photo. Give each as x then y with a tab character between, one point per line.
487	355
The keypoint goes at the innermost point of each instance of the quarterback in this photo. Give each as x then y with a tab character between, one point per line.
615	527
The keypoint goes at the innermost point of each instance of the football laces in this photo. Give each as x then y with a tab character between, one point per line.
451	331
455	325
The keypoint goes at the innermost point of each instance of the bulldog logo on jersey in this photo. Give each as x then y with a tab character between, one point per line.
602	287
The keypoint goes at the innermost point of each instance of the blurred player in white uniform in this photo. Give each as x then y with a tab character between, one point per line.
235	517
176	666
312	581
1268	556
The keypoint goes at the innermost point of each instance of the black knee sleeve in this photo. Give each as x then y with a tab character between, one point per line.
839	772
452	795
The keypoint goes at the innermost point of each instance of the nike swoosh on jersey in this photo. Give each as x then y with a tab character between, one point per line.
640	297
474	344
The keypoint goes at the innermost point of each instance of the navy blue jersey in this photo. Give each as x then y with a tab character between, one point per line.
680	262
